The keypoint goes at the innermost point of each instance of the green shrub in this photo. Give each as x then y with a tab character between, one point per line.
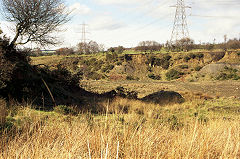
174	123
129	77
173	74
197	68
238	53
225	76
113	57
167	57
154	77
200	55
149	69
107	68
183	66
232	70
94	76
230	73
222	76
179	57
192	56
127	57
186	58
151	75
97	65
119	63
164	62
236	77
121	58
66	110
218	56
203	119
165	65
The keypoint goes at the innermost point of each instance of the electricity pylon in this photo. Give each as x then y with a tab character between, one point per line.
180	27
84	39
84	32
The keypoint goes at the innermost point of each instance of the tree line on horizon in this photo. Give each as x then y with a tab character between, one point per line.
185	44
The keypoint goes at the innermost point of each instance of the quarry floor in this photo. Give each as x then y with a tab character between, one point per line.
212	89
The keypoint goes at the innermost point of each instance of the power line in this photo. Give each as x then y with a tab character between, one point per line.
212	16
180	28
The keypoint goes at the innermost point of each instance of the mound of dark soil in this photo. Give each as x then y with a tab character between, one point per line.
164	97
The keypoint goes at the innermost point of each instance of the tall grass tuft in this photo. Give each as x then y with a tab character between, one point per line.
118	134
3	111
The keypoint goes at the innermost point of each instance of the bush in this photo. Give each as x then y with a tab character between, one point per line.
149	69
119	63
222	76
154	77
66	110
164	62
183	66
107	68
3	111
231	70
113	57
218	56
167	57
173	74
192	56
174	123
225	76
197	68
238	53
200	55
186	58
127	57
130	78
93	75
65	51
165	65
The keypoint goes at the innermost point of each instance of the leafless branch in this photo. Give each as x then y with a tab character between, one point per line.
35	20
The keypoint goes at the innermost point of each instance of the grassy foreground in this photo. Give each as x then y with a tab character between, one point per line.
128	129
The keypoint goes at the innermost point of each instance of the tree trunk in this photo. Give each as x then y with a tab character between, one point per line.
12	44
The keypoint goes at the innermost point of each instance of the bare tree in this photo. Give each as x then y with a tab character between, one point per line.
184	44
148	46
88	48
35	20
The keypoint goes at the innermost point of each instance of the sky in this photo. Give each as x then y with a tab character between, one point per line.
127	22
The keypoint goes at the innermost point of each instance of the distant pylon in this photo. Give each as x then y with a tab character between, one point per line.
180	27
84	39
84	32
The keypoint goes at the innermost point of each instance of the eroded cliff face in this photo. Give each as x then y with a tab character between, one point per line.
141	66
146	66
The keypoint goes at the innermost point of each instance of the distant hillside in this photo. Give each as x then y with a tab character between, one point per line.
194	66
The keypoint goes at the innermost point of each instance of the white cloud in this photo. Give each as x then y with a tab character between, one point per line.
119	1
80	9
105	22
127	22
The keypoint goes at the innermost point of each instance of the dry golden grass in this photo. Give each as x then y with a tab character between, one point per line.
3	111
47	60
118	135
